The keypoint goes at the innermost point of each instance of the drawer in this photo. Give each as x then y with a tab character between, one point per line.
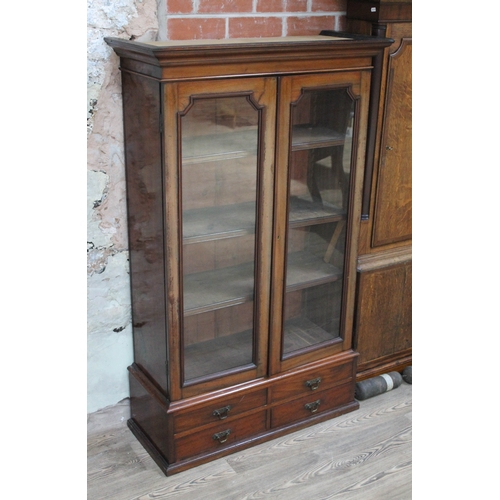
311	405
219	410
220	436
311	381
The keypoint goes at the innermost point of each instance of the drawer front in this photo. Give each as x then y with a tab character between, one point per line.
313	404
220	436
312	381
219	410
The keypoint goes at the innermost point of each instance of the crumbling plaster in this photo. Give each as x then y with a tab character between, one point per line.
109	332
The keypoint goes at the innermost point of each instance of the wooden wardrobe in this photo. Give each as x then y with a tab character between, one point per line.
382	328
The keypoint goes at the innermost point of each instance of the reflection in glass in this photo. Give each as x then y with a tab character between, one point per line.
219	191
320	166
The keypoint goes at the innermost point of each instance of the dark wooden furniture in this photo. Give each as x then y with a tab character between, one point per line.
382	334
244	165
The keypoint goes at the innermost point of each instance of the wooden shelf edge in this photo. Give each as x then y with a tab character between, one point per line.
299	263
300	216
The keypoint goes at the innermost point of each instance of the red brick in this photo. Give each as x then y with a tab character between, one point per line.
271	5
329	5
220	6
255	27
296	6
190	29
312	25
179	6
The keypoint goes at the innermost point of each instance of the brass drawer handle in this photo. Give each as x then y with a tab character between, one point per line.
313	407
222	412
222	436
314	383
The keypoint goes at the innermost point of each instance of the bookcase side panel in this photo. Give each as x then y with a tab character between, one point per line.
143	157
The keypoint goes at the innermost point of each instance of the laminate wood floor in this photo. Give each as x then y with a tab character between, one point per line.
363	455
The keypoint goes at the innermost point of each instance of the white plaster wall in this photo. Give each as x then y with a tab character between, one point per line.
109	332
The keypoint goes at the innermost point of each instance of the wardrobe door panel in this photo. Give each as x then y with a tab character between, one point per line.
393	203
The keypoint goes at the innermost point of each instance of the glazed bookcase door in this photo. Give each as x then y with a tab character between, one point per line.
223	171
316	183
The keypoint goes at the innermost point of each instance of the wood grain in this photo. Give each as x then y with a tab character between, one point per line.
365	454
384	315
211	290
393	206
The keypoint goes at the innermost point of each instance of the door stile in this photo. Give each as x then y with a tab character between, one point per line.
354	222
172	238
280	215
265	221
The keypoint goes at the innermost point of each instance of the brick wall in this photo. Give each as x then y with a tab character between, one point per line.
194	19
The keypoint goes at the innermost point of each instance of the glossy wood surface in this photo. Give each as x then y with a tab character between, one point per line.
219	435
307	383
312	404
224	408
144	180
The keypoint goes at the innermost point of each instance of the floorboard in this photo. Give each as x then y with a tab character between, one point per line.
363	455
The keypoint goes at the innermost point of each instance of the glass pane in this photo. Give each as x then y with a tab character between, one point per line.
219	190
320	166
